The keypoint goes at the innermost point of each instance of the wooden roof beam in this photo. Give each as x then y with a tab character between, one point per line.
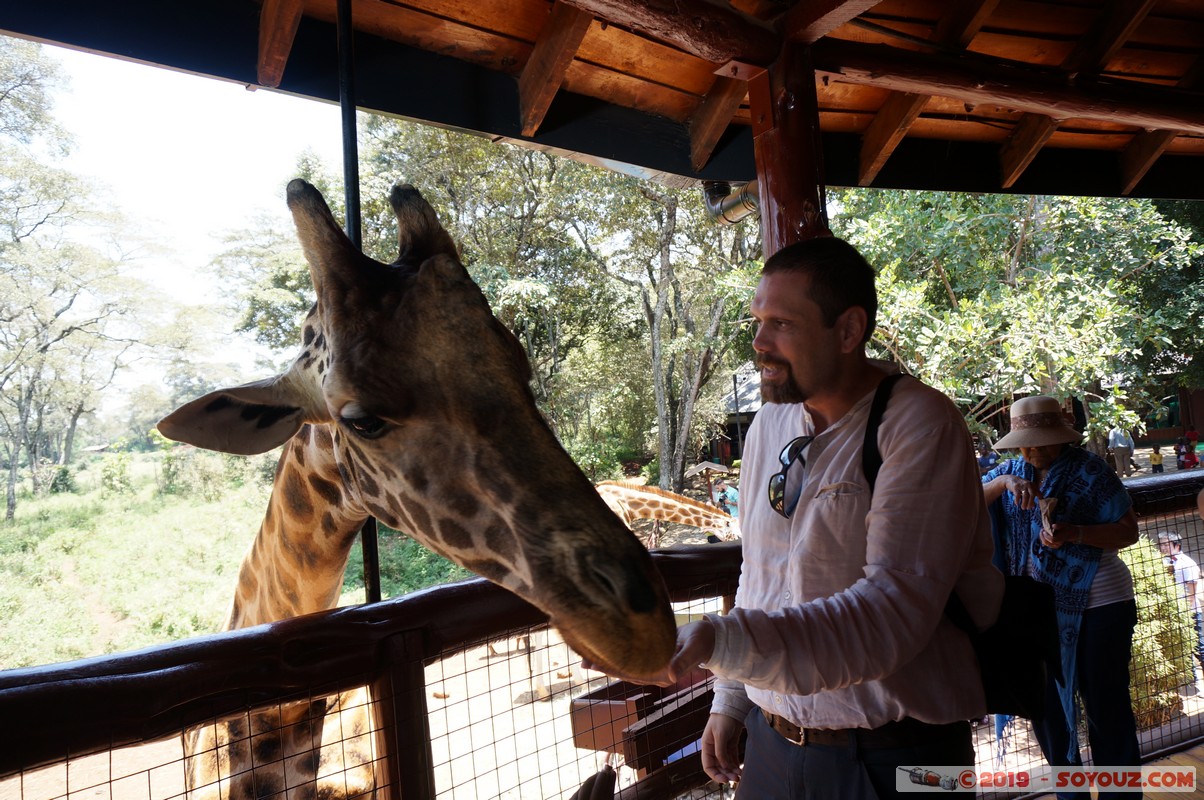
1095	50
545	69
1091	54
710	32
1028	137
1147	146
891	123
974	79
713	116
278	22
886	130
809	22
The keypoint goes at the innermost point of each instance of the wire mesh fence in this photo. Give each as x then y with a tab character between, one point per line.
479	700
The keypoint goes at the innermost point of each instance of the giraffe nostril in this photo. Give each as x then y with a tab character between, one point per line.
627	584
605	581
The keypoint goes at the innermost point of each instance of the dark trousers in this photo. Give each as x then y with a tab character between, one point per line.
777	769
1104	648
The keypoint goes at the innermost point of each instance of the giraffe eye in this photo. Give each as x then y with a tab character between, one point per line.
365	427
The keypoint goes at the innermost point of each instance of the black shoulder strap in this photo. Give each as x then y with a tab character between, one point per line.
871	462
871	457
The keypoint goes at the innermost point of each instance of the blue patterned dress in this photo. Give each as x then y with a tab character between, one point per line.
1089	493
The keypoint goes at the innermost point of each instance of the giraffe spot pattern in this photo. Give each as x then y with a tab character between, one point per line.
463	503
454	535
420	518
487	568
329	492
295	495
501	540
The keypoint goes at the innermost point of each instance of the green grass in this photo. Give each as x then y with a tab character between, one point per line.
89	573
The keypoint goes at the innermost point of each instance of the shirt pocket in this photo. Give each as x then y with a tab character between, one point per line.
832	555
842	492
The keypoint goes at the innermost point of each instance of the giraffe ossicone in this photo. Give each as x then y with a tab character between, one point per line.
410	402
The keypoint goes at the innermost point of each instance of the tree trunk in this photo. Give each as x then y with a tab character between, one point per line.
10	495
69	437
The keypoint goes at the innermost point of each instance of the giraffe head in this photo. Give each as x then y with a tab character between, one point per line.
435	432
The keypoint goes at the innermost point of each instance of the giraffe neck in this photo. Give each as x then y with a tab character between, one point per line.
635	501
296	563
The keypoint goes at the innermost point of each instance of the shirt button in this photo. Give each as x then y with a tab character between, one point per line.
777	699
786	597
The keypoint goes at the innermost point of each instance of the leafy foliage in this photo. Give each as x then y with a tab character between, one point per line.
988	296
1163	641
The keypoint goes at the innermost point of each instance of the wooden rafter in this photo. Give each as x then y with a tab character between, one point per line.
1028	137
983	80
713	116
809	22
891	123
544	73
278	22
1147	146
1091	54
887	129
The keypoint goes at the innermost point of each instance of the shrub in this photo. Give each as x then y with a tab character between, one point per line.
1162	640
171	471
598	459
63	481
115	477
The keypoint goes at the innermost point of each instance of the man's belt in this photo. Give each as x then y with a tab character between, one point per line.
903	733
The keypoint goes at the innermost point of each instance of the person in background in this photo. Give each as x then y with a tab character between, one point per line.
1060	515
838	658
1181	445
1156	460
1121	445
726	497
1190	459
1186	573
987	458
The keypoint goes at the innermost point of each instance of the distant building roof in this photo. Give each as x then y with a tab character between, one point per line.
747	398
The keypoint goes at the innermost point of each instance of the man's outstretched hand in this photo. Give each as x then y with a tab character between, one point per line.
695	644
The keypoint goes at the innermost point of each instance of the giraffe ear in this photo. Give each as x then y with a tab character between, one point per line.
245	420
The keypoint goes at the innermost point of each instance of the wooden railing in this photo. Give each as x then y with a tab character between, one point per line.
51	713
54	713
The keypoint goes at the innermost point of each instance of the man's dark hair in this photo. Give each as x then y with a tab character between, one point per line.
839	277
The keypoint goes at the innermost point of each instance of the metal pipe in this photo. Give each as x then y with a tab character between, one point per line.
727	206
351	159
351	200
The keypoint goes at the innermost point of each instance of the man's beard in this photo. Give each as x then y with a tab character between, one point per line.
787	391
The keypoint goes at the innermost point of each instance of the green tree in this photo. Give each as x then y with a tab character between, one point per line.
68	313
692	279
986	296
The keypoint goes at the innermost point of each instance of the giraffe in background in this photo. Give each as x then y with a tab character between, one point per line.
631	501
409	402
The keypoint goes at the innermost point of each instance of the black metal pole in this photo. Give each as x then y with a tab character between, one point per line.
351	200
351	158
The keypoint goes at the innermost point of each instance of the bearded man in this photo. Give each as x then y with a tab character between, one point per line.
838	658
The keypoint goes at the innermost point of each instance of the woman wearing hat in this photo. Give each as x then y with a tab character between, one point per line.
1061	515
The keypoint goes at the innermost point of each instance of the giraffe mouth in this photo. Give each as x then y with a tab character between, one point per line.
599	662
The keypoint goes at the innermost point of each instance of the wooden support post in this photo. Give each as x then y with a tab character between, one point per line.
788	151
406	770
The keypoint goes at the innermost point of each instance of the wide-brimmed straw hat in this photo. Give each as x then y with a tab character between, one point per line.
1036	422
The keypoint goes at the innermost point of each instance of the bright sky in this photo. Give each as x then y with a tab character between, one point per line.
187	158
